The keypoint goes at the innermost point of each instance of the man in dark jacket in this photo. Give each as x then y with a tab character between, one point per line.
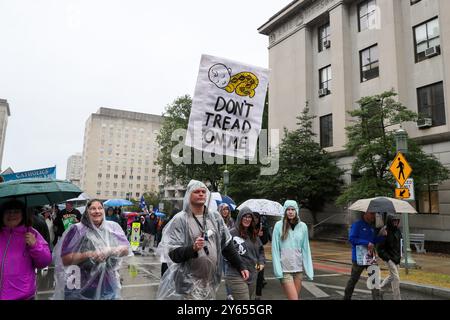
390	252
40	225
362	233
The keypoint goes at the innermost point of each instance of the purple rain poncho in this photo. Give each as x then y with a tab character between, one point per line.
90	279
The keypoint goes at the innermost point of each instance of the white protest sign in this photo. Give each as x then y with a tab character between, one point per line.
227	107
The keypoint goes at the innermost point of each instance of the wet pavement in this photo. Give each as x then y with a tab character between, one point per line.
141	274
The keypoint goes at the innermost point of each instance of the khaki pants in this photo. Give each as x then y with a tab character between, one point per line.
393	279
240	289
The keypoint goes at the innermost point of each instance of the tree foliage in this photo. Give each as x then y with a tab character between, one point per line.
372	141
176	116
307	173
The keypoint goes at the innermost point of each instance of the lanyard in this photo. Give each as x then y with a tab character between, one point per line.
202	228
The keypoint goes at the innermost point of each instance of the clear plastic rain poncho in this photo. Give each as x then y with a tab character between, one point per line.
90	279
197	278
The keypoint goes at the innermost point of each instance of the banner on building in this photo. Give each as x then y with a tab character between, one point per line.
45	173
227	107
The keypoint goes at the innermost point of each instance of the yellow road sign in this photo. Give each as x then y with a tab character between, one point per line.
400	168
402	193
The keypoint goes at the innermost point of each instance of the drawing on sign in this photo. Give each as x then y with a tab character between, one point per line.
243	83
402	193
401	169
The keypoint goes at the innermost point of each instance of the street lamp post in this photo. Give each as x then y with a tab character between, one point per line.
401	141
226	180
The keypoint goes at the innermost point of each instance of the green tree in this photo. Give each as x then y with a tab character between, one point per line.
176	116
372	141
245	178
307	173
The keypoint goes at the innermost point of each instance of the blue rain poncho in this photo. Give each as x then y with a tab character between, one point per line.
197	278
294	253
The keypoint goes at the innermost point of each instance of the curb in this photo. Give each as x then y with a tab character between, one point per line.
422	288
426	289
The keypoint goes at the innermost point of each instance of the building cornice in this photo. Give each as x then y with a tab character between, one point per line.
294	17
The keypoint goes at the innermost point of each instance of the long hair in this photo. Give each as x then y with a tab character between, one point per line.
287	225
249	232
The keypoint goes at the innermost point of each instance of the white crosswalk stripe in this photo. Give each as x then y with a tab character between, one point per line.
314	290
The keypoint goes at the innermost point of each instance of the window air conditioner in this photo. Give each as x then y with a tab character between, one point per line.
323	92
431	52
327	44
424	123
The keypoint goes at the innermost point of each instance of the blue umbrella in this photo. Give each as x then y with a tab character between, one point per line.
117	203
223	199
160	214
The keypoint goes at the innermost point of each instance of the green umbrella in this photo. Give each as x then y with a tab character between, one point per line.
38	192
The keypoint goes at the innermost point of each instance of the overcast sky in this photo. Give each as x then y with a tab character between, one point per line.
61	60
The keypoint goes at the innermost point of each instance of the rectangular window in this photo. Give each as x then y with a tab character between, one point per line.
325	80
367	15
326	131
432	103
99	192
369	63
114	193
99	175
324	37
429	200
427	42
108	176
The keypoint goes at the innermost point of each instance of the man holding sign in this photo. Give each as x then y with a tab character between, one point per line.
227	108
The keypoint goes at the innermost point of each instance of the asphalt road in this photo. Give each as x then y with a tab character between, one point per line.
141	274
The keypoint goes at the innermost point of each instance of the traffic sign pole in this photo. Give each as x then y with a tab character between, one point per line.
401	171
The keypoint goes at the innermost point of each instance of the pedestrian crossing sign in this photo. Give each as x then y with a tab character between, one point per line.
400	168
402	193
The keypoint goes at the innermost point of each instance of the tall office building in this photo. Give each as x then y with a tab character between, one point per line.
74	168
4	114
119	153
331	53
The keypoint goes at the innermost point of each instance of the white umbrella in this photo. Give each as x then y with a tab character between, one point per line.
81	197
264	207
383	204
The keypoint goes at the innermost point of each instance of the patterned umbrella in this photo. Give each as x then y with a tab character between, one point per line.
264	207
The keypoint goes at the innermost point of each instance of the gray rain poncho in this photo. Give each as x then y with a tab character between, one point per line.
90	279
197	278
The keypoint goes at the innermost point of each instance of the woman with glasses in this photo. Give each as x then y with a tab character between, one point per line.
22	249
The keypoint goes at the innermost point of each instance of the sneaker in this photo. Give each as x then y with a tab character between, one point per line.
258	298
230	297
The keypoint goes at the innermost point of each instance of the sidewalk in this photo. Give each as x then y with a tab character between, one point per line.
433	275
